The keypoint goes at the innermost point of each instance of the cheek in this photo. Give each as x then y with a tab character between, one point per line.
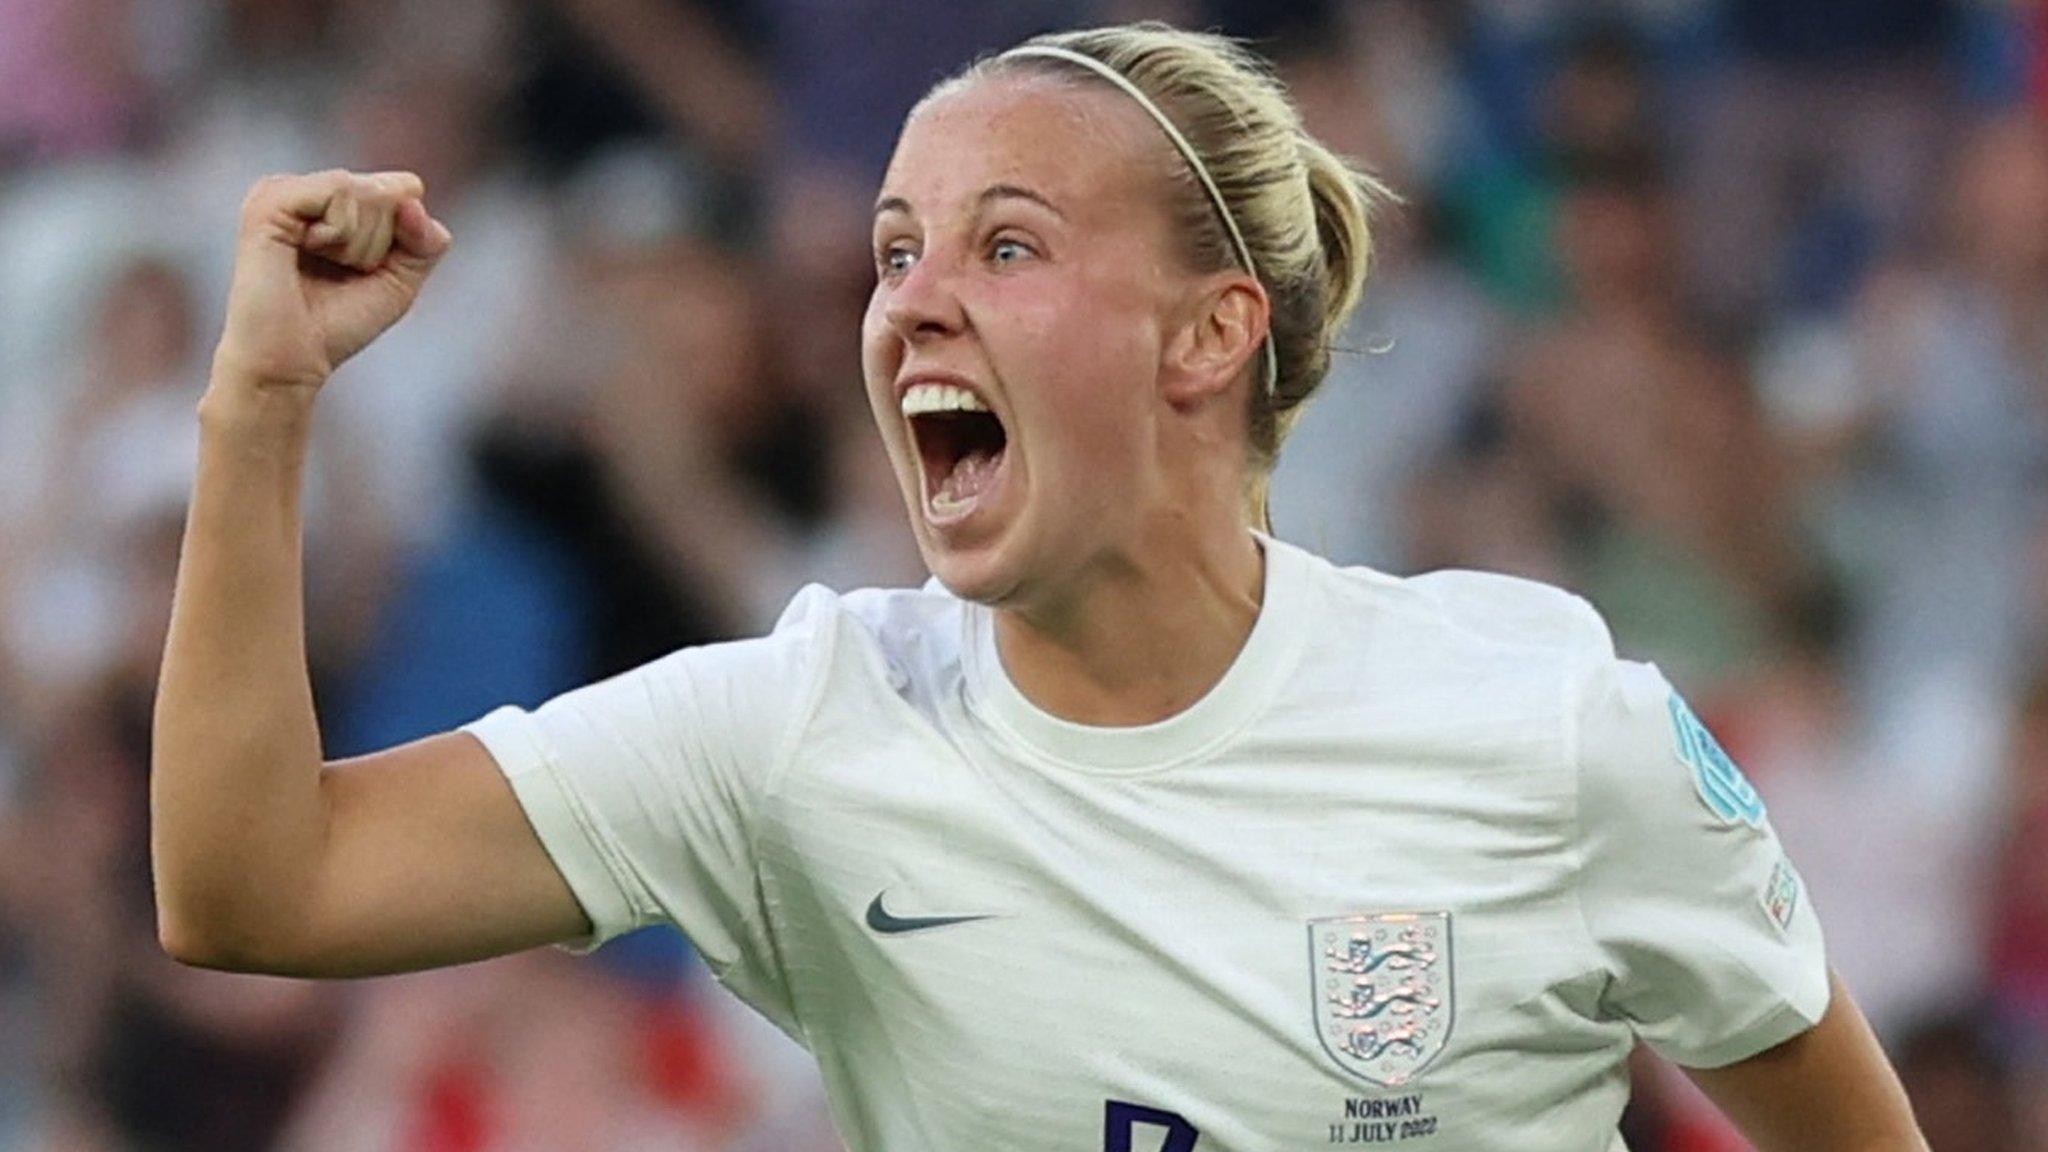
1088	442
1089	336
1093	359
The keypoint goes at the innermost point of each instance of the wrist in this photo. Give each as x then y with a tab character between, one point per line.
234	367
235	403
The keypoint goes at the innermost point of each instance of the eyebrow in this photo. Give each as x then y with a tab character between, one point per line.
989	195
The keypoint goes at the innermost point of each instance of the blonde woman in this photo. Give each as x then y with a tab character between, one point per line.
1137	827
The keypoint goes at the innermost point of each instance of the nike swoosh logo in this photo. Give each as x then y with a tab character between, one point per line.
880	919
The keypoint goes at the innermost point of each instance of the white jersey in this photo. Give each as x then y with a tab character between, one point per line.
1417	872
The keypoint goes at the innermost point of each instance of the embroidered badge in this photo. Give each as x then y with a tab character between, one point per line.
1382	991
1721	785
1781	895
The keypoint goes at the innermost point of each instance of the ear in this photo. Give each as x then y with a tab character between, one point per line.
1225	330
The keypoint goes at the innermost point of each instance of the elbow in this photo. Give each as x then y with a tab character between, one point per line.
190	944
226	919
201	942
186	929
181	943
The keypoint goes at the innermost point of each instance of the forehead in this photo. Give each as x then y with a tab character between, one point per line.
1084	147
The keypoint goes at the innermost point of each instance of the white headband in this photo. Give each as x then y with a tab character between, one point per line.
1187	151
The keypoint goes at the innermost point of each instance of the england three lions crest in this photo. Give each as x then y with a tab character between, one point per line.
1383	997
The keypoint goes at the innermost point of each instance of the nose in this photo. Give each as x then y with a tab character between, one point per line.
922	305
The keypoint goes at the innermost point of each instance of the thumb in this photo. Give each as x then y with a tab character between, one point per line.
419	242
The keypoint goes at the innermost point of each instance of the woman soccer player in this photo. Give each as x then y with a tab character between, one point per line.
1138	827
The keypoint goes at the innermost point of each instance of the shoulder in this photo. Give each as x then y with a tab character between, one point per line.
893	634
886	615
1647	767
867	615
1491	663
1511	610
821	636
1467	607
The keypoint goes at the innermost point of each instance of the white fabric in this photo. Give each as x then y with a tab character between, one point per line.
1455	743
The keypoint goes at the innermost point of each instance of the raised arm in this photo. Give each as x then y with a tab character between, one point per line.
266	859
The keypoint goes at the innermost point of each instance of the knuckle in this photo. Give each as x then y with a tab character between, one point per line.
264	189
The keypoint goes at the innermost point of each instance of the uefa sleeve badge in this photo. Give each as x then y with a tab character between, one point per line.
1721	785
1780	895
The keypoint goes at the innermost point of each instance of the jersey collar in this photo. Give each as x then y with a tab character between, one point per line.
1244	692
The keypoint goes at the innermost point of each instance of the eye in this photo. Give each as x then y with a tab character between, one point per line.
895	259
1005	250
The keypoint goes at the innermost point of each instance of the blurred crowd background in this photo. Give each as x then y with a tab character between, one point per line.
1731	315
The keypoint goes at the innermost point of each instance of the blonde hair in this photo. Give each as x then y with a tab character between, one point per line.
1304	213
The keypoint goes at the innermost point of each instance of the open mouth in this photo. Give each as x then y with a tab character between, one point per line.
960	444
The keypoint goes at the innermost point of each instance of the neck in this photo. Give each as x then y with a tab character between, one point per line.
1143	634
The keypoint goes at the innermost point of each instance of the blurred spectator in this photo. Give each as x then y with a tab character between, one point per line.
1788	209
1593	112
424	384
1485	505
642	482
98	459
1962	1086
867	541
533	1051
845	101
2018	957
74	78
691	68
1954	353
88	456
817	272
1875	851
1649	441
126	1048
1411	361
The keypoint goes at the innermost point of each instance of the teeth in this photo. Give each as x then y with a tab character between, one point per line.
923	398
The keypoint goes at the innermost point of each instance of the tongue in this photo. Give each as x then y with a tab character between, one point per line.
968	479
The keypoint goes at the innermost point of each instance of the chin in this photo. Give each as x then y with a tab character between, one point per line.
985	574
985	556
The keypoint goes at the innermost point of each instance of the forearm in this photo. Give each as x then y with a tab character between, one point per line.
237	819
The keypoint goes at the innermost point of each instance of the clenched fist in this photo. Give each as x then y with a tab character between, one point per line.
324	264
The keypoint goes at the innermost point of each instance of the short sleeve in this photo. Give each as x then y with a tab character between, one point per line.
644	789
1714	951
